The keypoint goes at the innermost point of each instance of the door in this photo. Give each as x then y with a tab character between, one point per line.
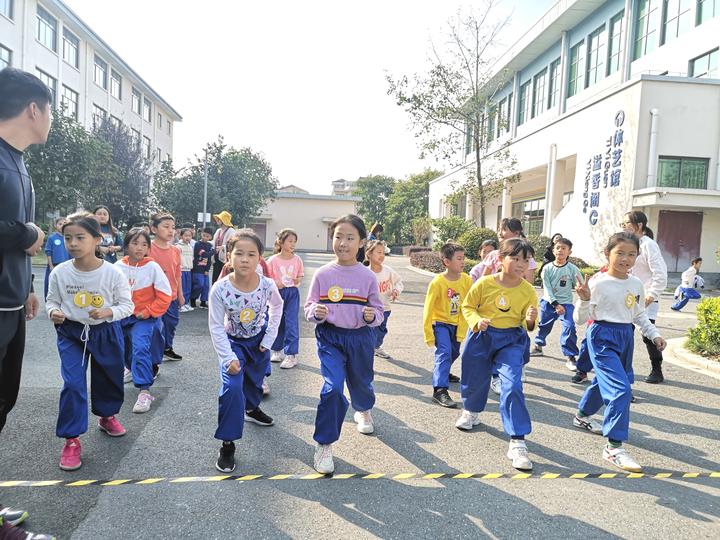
678	236
261	230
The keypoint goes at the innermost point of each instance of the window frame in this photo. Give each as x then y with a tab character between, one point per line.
643	37
576	66
597	52
708	55
48	26
146	147
553	84
98	63
115	76
539	82
136	99
682	160
666	22
64	99
102	114
67	39
612	55
524	102
700	17
147	114
9	56
10	9
532	218
51	83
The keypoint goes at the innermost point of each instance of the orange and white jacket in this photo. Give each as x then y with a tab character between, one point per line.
151	292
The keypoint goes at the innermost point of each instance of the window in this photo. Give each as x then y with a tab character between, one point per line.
503	114
69	102
577	70
167	157
135	101
147	148
706	9
524	104
135	138
539	83
646	27
5	57
615	44
492	114
678	18
468	138
147	110
71	48
169	126
115	84
554	84
6	8
115	121
98	116
682	172
101	72
46	31
159	155
51	83
705	66
597	42
566	198
159	121
531	213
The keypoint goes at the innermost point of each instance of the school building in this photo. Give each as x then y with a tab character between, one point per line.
609	106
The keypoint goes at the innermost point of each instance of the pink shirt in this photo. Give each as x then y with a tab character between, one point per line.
285	271
492	261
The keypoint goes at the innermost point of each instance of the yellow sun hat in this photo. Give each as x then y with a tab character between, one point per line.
225	218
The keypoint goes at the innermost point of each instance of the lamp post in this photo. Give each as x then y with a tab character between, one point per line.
205	183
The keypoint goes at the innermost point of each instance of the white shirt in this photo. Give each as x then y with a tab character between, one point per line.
650	267
687	279
388	282
617	301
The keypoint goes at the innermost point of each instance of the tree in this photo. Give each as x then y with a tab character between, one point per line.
421	229
453	100
408	201
374	192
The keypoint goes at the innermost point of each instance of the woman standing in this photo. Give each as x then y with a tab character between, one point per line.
225	231
112	241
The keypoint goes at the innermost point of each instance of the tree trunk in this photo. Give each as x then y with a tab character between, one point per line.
478	176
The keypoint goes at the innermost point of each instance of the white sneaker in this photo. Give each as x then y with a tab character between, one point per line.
495	385
182	309
127	376
265	387
571	363
364	422
289	362
142	405
588	424
381	353
621	459
467	420
188	307
277	356
323	461
518	453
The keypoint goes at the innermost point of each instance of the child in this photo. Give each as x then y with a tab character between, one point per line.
443	322
244	316
186	265
498	310
287	270
614	301
345	304
390	286
55	251
112	239
690	282
559	277
202	256
143	331
87	299
168	257
485	248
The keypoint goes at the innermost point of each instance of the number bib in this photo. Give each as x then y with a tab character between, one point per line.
247	315
335	293
84	299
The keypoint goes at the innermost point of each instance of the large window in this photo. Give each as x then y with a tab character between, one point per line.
51	83
135	101
6	8
596	56
115	84
706	9
46	30
135	138
577	69
531	213
554	84
99	114
147	148
101	72
159	120
147	110
539	84
682	172
647	24
492	114
71	48
5	57
69	102
677	18
115	121
615	43
503	124
705	66
524	103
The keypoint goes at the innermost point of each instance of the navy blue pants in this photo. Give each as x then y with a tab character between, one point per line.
144	346
288	338
345	356
568	337
447	350
382	330
106	350
186	284
241	392
200	286
583	359
503	349
611	353
47	280
170	320
686	294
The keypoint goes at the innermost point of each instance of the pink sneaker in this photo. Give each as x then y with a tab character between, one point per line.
111	426
70	456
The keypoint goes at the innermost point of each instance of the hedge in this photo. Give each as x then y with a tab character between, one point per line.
427	260
472	240
705	337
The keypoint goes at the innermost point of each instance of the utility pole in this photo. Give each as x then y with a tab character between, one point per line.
204	220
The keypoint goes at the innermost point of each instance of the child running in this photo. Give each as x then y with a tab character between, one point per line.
244	315
163	252
287	270
390	286
345	304
444	326
690	282
614	301
202	259
143	331
185	245
55	251
486	248
87	299
499	309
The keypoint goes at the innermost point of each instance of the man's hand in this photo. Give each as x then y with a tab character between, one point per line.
57	316
660	343
32	304
37	245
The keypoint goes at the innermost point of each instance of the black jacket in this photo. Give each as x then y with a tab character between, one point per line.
17	208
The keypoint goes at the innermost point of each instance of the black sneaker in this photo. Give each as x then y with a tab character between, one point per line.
443	399
655	377
203	305
192	303
171	355
156	371
453	378
580	377
258	417
226	458
633	399
536	351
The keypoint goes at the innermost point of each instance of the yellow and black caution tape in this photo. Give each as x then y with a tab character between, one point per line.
676	475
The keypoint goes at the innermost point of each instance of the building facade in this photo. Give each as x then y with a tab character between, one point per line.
89	81
609	106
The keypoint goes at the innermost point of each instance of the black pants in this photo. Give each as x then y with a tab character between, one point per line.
12	348
656	357
217	269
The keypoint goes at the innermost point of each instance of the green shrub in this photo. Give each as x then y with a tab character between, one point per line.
450	228
705	337
473	238
577	261
428	260
539	244
469	263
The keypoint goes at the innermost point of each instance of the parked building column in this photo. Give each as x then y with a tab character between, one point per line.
629	39
550	190
652	149
564	52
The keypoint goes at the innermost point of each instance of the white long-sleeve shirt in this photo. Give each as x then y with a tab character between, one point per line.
76	293
389	282
687	279
650	267
617	301
242	315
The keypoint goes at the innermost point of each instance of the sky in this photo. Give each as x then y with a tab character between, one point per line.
300	82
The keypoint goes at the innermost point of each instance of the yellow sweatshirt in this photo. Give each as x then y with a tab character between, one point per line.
443	304
505	307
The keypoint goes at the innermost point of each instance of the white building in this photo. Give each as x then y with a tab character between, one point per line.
85	75
610	106
344	188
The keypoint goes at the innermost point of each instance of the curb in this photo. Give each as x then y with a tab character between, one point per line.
681	357
420	271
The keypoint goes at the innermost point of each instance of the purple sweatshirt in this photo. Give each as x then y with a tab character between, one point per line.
345	290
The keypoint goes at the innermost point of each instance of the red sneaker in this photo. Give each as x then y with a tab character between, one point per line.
111	426
70	456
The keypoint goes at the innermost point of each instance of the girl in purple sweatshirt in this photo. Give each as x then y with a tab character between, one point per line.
344	302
